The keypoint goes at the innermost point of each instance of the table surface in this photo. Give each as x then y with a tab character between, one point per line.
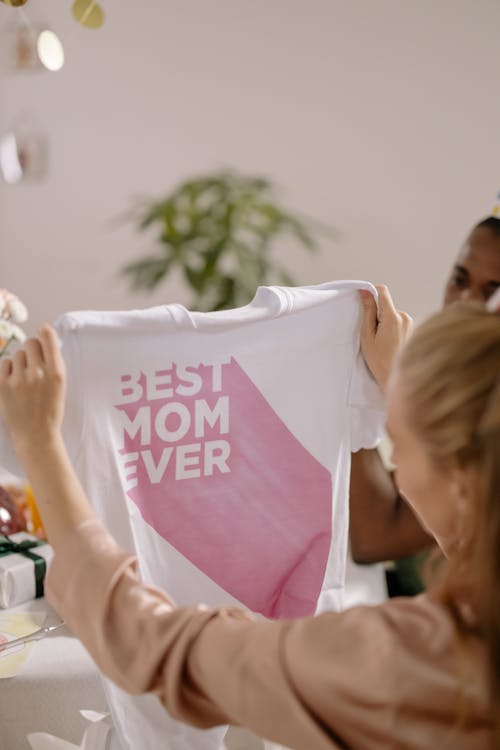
58	680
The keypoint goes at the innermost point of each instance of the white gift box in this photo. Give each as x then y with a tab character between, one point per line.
17	571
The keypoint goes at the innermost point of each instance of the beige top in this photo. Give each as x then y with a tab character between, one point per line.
369	678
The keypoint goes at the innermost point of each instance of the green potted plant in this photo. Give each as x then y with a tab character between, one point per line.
220	230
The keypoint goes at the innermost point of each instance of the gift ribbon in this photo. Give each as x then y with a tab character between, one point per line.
8	547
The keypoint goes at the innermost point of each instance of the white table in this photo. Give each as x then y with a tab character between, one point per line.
58	679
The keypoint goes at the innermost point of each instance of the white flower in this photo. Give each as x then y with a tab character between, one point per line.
17	333
5	329
17	309
10	331
12	311
3	301
11	307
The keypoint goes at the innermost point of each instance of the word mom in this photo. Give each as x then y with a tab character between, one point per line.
171	422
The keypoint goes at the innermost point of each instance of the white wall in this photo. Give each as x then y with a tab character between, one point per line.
381	117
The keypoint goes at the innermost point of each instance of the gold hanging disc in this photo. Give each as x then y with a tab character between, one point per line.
88	12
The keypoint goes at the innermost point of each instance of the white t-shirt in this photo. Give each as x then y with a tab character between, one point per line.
217	446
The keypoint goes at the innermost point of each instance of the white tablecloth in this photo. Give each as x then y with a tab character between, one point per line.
58	679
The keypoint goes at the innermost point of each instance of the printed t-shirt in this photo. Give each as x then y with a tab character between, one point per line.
217	447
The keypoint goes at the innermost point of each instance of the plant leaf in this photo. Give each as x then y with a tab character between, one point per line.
220	229
147	273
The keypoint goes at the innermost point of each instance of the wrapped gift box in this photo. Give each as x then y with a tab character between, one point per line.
24	561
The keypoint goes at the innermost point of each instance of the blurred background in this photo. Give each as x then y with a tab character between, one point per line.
379	118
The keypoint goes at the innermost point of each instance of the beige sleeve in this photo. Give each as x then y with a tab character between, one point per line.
311	683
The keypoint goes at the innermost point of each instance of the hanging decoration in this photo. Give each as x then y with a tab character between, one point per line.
50	50
87	12
29	46
32	46
22	47
24	151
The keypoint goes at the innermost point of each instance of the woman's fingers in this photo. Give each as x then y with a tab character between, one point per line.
32	389
385	303
38	357
18	366
34	358
383	332
50	350
5	369
407	319
386	311
370	320
26	365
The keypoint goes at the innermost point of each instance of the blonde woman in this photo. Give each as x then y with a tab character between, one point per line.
411	673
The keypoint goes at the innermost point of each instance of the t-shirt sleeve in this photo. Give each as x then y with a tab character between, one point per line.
367	408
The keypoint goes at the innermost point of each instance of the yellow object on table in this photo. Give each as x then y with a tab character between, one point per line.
34	521
13	626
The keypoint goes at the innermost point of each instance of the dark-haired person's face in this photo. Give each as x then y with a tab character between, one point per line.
476	273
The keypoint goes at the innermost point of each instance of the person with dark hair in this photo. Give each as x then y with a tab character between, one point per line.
411	673
476	273
383	525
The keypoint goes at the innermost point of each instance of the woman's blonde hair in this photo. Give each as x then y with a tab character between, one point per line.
451	371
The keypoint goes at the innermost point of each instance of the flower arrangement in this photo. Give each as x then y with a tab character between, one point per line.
12	313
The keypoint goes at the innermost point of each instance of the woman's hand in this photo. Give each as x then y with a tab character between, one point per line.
32	390
383	333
